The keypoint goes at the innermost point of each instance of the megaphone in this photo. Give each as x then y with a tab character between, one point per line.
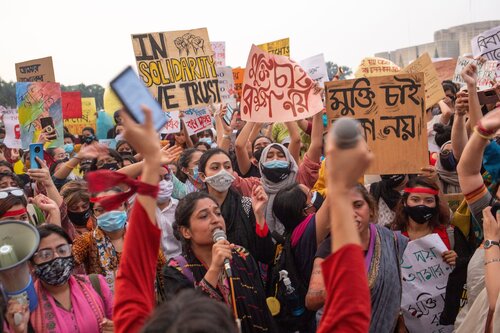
18	241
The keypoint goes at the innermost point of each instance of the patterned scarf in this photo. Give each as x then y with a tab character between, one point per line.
108	258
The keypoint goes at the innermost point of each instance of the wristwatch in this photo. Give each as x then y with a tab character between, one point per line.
489	243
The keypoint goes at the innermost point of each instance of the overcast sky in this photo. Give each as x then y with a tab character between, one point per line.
90	40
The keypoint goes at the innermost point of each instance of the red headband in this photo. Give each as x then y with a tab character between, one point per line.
421	190
15	212
102	180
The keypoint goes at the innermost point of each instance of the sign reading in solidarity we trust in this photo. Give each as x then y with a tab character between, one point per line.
391	110
178	68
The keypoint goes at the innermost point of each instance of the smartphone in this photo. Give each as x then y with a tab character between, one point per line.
488	96
133	93
229	115
48	126
495	208
36	150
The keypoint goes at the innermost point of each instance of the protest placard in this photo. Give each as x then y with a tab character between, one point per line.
445	68
486	72
178	67
391	110
433	89
277	47
487	44
425	276
88	118
71	104
37	100
277	89
315	67
110	143
238	76
36	70
219	49
197	120
226	85
374	66
12	127
173	125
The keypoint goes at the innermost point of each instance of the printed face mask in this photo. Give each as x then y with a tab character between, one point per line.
55	272
421	213
112	221
221	181
165	192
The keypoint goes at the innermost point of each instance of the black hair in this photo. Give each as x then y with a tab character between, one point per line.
443	133
288	206
113	153
13	176
53	166
449	85
7	164
190	311
206	156
184	210
45	230
259	137
184	161
129	157
209	131
2	130
90	129
69	136
202	143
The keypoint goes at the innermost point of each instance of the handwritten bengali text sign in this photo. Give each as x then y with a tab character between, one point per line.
277	89
178	67
36	70
486	72
197	120
391	110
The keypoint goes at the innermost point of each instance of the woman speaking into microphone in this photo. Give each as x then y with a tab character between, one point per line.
198	222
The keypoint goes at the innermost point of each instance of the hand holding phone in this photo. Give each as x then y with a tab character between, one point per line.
36	150
48	127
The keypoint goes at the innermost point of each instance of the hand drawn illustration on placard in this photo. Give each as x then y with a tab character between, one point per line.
189	41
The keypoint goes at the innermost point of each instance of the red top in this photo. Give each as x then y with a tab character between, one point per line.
134	285
347	306
441	231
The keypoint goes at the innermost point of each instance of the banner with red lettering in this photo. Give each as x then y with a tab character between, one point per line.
197	120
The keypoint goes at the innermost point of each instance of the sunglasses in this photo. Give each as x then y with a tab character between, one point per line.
15	192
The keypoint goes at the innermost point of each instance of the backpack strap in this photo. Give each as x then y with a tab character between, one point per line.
96	284
184	268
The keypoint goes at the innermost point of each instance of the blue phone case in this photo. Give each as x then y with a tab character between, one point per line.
36	150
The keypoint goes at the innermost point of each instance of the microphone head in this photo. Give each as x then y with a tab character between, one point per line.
346	132
218	234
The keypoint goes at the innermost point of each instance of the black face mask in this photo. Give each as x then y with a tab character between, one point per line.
258	153
88	139
317	200
276	175
393	181
79	218
421	213
447	160
109	166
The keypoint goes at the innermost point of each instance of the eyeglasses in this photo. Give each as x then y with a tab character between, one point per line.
105	161
15	192
45	255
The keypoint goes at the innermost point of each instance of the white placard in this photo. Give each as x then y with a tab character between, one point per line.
315	67
197	120
226	85
486	72
12	128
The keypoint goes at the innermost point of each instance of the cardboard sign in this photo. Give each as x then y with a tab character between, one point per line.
178	68
12	128
88	118
277	89
445	68
391	110
433	89
71	104
278	47
454	200
36	70
315	67
173	125
226	85
425	276
37	100
197	120
487	44
238	76
374	66
486	72
219	49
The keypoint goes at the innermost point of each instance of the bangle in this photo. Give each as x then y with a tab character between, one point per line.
483	130
481	134
491	261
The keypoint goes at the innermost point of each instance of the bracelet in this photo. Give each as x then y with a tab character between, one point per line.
483	130
492	260
482	135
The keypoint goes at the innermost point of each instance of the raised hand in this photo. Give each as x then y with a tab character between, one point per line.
169	154
469	74
259	200
41	175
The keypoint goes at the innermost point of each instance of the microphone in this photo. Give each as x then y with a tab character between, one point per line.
217	236
346	132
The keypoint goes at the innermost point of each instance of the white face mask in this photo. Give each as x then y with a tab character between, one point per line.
165	191
221	181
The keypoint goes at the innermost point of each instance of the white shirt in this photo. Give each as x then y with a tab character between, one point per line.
170	245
